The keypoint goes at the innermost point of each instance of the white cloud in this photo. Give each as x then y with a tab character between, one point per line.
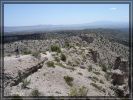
113	8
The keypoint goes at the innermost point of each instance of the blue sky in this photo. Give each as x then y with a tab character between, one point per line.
58	14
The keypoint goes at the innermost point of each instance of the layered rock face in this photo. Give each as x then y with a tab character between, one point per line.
23	67
120	76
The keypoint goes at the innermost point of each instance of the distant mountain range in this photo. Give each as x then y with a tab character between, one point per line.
40	28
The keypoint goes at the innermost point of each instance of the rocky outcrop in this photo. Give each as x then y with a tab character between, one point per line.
124	66
120	77
94	55
117	63
22	74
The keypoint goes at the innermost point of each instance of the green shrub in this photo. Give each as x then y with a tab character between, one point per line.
63	57
60	64
73	92
68	80
25	83
78	92
80	73
67	44
83	91
101	81
26	52
35	92
57	59
44	74
97	73
20	75
90	68
104	68
96	86
36	54
95	78
16	97
55	48
50	64
107	76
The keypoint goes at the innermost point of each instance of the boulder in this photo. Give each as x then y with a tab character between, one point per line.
117	63
118	77
124	66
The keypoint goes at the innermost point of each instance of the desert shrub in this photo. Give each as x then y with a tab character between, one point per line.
104	68
90	68
26	51
95	78
60	64
25	83
16	97
70	63
97	73
101	81
63	57
50	64
55	48
20	75
57	59
44	74
107	76
36	54
80	73
67	44
77	62
78	92
73	92
35	92
96	86
83	91
68	80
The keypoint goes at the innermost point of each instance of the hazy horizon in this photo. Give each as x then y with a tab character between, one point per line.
63	14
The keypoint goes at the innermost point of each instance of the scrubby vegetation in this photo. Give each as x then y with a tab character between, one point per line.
90	68
101	81
68	80
55	48
78	92
96	86
80	73
80	57
104	68
96	72
26	51
57	59
50	64
63	57
35	92
36	54
60	64
25	83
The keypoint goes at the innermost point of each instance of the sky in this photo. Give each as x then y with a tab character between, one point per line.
63	14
